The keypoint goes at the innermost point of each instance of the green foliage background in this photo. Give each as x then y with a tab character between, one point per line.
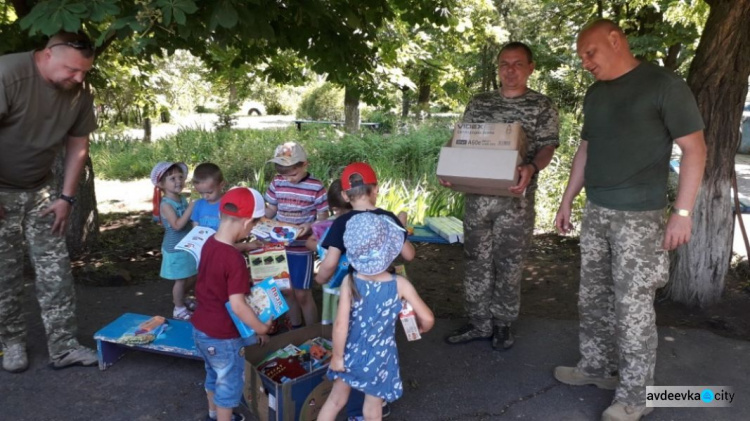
405	162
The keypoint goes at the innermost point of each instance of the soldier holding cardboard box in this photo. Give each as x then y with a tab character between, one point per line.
498	229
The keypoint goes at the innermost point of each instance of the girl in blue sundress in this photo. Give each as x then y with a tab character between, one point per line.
364	343
174	214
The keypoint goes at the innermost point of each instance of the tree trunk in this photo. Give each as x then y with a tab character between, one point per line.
405	102
83	223
672	61
147	130
423	94
718	77
351	109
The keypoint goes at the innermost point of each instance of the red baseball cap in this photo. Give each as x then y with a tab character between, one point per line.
248	202
362	169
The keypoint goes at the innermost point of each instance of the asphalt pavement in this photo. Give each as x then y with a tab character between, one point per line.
441	382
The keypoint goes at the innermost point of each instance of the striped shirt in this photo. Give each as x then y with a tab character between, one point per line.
297	203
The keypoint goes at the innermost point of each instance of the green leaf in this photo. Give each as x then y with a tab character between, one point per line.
352	20
179	16
37	15
166	13
101	10
77	8
226	15
122	22
70	22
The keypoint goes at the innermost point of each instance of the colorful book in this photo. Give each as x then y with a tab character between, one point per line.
270	262
271	231
266	301
194	240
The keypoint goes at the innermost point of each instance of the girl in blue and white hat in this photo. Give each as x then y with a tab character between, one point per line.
364	344
174	214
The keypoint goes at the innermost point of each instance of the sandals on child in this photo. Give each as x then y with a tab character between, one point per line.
181	314
191	304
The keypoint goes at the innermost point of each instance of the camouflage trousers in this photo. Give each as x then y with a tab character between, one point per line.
622	265
49	256
497	235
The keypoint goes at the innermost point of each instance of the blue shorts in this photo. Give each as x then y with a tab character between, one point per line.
177	265
225	367
300	268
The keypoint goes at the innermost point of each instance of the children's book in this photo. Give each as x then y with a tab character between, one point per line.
194	240
281	370
270	262
320	350
342	268
271	231
266	301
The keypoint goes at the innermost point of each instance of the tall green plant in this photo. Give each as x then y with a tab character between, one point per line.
554	178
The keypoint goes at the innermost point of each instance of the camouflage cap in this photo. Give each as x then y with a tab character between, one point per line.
288	154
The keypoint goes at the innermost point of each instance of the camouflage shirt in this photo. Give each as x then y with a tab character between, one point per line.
536	113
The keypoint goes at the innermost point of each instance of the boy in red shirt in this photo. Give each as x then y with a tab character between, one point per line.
223	276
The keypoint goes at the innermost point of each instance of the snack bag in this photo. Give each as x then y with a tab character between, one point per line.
409	321
266	301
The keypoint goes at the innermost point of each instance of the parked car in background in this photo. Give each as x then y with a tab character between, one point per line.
253	108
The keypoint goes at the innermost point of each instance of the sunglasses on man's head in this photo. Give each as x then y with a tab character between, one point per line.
78	45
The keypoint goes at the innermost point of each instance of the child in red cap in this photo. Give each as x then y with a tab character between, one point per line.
360	189
223	276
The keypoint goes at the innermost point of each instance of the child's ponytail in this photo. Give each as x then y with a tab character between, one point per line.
352	285
156	202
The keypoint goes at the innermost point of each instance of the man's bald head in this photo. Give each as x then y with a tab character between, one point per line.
604	50
65	60
602	25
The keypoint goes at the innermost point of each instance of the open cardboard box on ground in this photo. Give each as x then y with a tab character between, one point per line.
297	399
482	158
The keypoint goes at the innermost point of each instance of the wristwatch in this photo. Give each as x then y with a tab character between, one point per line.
536	169
69	199
681	212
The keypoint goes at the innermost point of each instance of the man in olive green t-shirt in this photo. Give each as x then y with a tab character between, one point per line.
43	107
632	115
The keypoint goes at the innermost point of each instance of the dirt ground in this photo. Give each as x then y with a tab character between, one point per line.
129	255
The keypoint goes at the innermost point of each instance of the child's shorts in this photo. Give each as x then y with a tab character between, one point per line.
300	268
177	265
330	305
225	367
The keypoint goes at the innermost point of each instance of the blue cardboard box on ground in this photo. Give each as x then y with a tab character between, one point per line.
297	399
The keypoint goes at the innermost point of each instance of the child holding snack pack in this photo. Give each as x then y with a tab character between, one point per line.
339	206
174	214
296	197
360	188
365	357
225	278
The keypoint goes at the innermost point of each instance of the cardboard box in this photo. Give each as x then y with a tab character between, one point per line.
483	164
298	399
489	136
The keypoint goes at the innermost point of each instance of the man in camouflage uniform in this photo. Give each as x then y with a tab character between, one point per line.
43	106
498	229
632	115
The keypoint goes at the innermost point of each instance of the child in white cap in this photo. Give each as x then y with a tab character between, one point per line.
174	214
364	343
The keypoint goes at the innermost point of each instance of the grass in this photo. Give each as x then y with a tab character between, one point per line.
405	162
